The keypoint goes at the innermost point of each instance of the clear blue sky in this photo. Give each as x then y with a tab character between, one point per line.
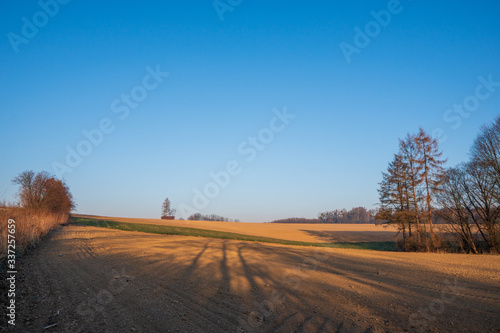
225	79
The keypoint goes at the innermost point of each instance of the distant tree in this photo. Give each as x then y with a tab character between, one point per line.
297	220
325	217
355	215
358	215
195	217
210	217
166	209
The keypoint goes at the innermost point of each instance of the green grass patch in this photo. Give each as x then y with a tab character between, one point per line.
186	231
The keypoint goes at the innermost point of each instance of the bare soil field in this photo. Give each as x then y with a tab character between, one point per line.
315	233
88	279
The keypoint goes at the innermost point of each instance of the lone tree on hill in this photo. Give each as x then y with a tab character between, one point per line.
166	209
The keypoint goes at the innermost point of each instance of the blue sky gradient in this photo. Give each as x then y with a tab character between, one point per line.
225	79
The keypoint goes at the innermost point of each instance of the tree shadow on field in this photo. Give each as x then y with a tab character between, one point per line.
351	236
389	289
205	285
192	267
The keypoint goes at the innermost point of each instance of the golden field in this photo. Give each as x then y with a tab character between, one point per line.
314	233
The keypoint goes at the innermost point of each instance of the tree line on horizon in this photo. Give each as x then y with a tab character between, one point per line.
210	217
416	190
357	215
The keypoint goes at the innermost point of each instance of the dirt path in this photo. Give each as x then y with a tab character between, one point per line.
102	280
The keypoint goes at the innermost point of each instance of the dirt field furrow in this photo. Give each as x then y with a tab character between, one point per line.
87	279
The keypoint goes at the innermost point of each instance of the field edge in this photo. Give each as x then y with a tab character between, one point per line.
195	232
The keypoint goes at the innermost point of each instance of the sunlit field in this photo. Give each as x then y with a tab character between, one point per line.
250	166
141	281
315	233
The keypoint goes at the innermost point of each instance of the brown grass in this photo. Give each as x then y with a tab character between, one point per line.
31	226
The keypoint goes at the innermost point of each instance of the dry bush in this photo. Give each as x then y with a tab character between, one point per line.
31	226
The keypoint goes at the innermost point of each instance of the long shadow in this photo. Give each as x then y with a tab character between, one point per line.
262	307
366	240
392	282
246	268
192	267
225	281
351	236
284	308
376	274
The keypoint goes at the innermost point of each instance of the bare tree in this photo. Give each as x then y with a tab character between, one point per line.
469	203
166	209
210	217
432	170
413	177
42	191
481	203
30	192
485	171
408	151
453	200
468	195
486	151
470	198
